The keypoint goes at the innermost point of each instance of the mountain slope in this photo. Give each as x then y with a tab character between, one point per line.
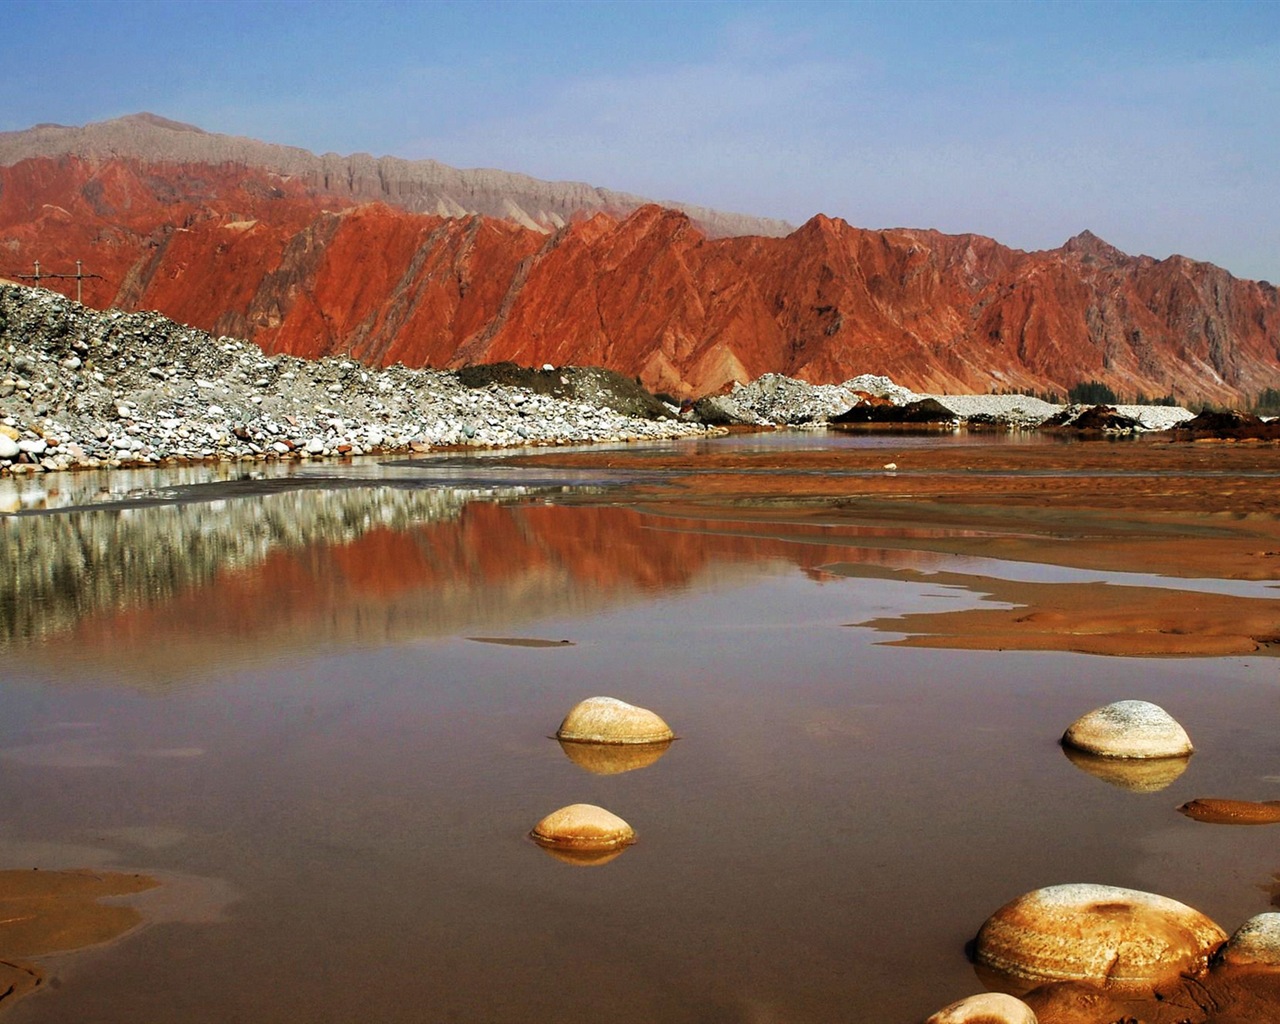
250	252
421	186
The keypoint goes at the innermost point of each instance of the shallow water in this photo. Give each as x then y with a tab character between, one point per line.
276	701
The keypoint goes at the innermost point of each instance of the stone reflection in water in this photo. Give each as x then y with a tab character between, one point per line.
613	758
66	566
1136	775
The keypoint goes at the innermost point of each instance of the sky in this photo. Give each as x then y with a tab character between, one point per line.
1155	125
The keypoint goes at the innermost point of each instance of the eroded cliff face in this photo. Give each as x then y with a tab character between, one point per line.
255	254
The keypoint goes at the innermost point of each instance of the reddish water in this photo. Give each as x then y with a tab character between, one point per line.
344	782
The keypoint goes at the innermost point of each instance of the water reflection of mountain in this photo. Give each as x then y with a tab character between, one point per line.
154	592
68	567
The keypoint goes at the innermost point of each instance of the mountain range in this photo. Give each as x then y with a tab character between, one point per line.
412	261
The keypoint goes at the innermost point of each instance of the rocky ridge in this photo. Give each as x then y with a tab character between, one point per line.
80	388
420	186
249	253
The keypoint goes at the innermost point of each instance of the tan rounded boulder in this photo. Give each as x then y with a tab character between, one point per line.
988	1008
609	720
1117	939
583	827
1129	728
1255	943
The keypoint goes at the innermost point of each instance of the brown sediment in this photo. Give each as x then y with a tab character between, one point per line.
56	911
1094	618
1153	506
519	641
1232	812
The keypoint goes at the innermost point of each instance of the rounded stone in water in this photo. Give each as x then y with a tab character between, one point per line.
1129	728
609	720
987	1008
583	827
1117	939
1255	943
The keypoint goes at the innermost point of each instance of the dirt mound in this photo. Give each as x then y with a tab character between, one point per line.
926	410
1096	419
593	384
1229	424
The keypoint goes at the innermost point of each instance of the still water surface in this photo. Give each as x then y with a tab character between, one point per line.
273	697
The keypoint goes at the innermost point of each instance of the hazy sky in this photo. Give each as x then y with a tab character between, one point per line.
1156	125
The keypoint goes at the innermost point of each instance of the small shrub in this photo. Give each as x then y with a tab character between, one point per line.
1092	392
1267	403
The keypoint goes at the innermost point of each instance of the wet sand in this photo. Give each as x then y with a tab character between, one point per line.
45	912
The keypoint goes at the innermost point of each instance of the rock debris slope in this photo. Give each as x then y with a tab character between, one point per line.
83	388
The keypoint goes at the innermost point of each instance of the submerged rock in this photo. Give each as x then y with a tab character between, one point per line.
1232	812
1256	942
1117	939
609	720
1129	728
583	827
987	1008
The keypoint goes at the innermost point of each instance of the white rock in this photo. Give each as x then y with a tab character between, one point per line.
609	720
987	1008
1257	941
1129	728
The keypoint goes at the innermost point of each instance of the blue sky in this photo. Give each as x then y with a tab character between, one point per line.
1156	125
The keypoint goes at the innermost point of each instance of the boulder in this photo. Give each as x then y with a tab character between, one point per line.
722	411
583	827
1117	939
1256	942
1232	812
1129	728
609	720
988	1008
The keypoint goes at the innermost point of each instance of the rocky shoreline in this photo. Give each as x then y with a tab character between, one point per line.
84	389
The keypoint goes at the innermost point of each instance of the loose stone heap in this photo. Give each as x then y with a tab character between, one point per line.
81	388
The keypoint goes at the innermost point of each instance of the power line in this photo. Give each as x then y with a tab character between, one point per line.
79	277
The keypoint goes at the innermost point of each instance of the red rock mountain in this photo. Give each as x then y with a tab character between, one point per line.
308	269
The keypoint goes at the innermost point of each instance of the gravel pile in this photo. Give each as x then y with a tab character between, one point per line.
776	399
82	388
